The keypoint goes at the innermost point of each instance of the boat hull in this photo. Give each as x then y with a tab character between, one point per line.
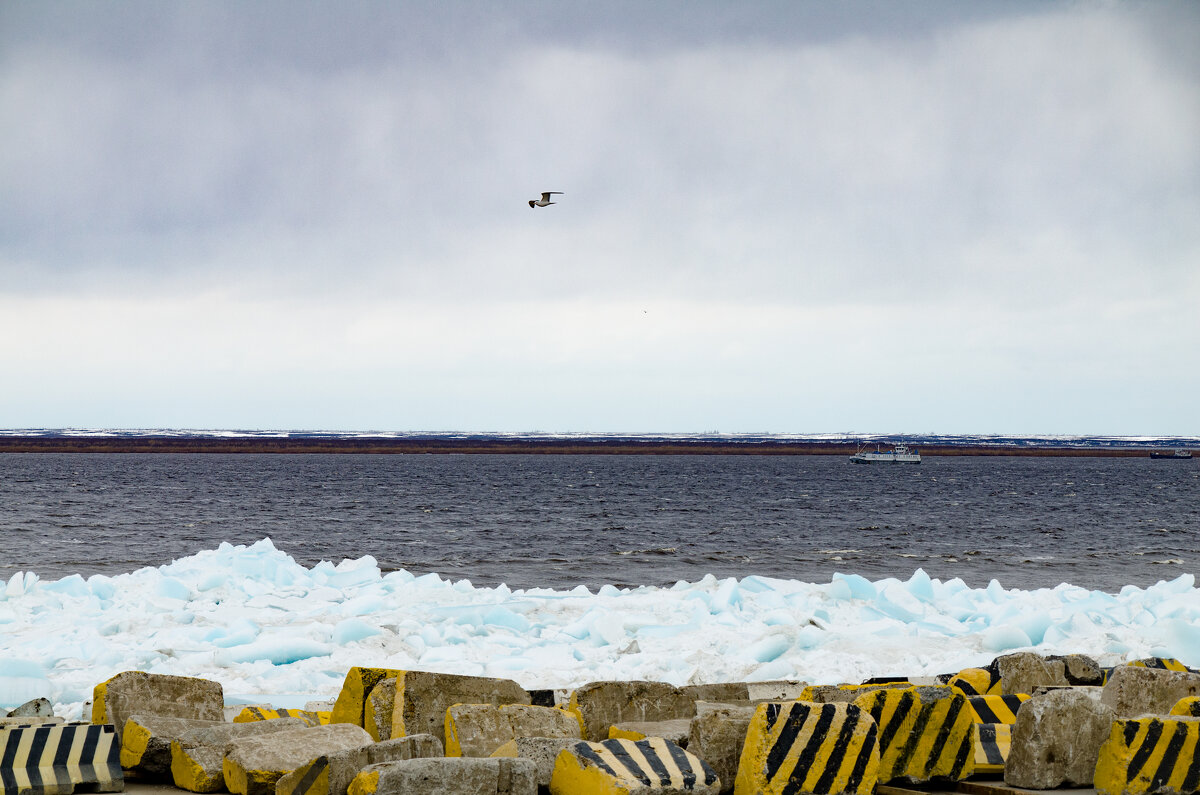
885	458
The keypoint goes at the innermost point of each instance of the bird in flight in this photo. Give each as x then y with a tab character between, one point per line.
542	202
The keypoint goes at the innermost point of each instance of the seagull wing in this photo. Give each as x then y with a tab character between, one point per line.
546	194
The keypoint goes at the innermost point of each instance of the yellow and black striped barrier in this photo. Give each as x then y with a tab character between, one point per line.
997	709
1149	755
610	766
924	733
1163	664
804	747
994	719
1187	707
309	779
977	681
54	759
253	714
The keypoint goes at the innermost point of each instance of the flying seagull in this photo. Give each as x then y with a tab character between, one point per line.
542	202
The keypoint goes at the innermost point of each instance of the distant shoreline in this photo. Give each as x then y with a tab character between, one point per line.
476	446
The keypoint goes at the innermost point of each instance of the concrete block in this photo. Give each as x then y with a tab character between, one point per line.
775	690
351	703
140	693
250	714
36	708
811	748
1150	756
1023	671
602	704
730	691
976	682
676	730
460	776
996	709
53	759
925	733
479	729
716	734
1081	670
30	721
377	718
253	765
331	774
542	751
1187	707
1135	690
198	754
646	767
844	694
1056	740
146	743
422	699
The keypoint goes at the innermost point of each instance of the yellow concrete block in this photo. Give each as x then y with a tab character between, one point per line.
976	682
804	747
992	744
197	769
997	708
1150	755
1188	707
356	688
365	783
616	767
924	733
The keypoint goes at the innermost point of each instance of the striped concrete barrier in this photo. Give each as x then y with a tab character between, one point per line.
925	733
1188	707
613	766
804	747
994	719
976	681
1163	664
52	759
1150	756
252	714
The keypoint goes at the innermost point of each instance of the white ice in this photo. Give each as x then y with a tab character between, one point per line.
270	630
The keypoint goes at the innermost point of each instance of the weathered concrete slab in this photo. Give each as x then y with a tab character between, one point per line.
377	718
422	699
1056	740
1024	671
460	775
253	765
774	690
1150	755
677	730
602	704
146	743
350	706
141	693
728	691
34	708
926	733
252	713
647	767
31	721
717	734
331	774
845	694
479	729
542	751
198	754
786	750
1134	690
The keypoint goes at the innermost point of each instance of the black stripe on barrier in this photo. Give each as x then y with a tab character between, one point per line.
1131	730
914	737
864	758
989	743
1170	757
838	753
87	767
943	735
587	752
684	764
310	776
796	714
621	754
966	751
804	759
1191	783
1138	760
896	720
654	761
773	711
986	712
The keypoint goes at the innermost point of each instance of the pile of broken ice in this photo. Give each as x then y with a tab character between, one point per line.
270	629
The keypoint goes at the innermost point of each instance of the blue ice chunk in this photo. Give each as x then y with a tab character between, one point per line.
920	586
1004	637
775	669
350	630
21	680
211	580
431	636
275	649
894	610
171	588
237	633
756	584
70	586
859	587
768	647
810	637
1180	640
103	587
996	592
726	598
777	618
362	606
503	617
608	590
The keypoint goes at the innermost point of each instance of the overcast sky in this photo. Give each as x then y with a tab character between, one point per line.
789	217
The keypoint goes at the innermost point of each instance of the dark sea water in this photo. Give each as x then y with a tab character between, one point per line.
560	521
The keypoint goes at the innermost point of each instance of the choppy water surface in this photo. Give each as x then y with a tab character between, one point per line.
559	521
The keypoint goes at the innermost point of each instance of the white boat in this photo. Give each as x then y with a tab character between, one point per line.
899	454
